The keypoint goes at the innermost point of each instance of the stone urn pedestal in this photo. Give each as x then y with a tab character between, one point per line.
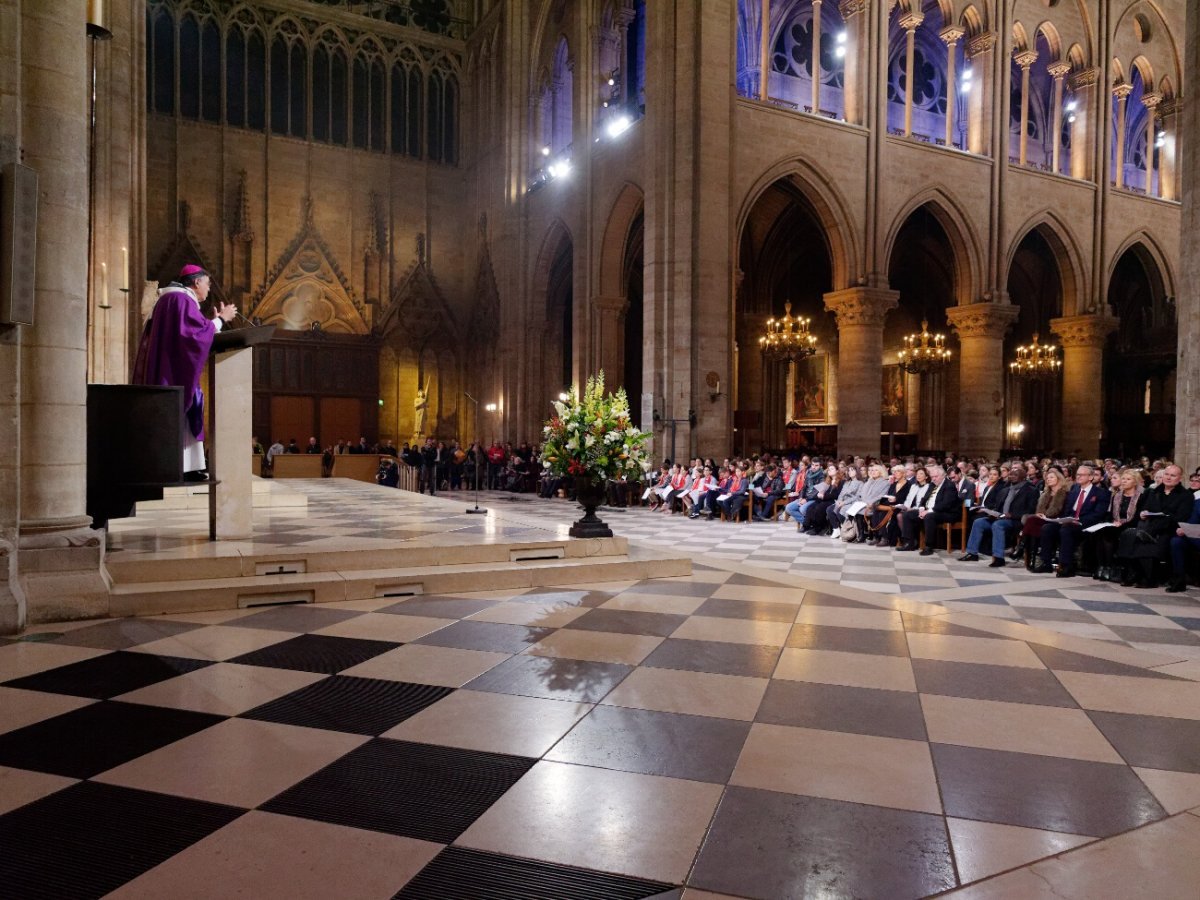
589	492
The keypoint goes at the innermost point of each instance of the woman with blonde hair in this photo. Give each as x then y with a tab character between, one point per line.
1049	506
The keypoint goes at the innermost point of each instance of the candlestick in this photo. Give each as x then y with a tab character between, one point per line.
104	304
125	270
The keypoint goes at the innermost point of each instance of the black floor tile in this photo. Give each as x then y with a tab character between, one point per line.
767	844
346	703
475	875
108	676
321	653
96	738
90	839
413	790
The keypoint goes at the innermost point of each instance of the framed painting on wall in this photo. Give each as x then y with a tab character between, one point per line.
810	386
894	402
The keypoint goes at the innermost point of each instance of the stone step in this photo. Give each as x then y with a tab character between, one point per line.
215	561
198	595
265	495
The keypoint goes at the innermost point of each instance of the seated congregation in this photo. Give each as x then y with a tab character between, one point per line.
1137	525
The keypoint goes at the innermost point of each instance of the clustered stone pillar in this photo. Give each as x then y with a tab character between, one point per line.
910	23
1151	100
1058	71
860	314
1025	59
1083	339
1121	92
1187	376
951	34
59	557
981	328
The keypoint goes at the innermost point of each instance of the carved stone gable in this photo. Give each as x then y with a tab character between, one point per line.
185	250
307	286
418	315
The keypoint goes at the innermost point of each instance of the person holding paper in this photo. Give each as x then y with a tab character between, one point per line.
1049	506
941	505
1122	511
1087	505
835	514
1001	511
1159	514
734	498
873	491
1186	535
767	493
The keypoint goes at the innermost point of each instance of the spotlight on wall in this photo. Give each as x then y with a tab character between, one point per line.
563	397
1072	117
545	151
491	407
612	82
559	169
1071	105
841	44
618	126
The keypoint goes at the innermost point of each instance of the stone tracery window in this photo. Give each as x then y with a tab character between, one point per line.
792	57
208	68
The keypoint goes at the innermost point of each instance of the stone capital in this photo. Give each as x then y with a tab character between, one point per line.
1059	69
952	34
610	304
981	44
1152	99
912	21
1084	79
1025	58
1170	107
982	320
861	305
851	8
1084	331
1121	91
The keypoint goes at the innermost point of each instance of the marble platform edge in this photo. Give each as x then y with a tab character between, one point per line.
242	559
333	587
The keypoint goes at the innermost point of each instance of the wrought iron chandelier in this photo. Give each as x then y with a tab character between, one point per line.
788	338
924	353
1036	362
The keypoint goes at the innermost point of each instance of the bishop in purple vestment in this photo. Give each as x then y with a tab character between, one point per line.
173	348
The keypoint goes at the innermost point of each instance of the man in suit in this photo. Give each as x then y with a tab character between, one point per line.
1087	505
1010	500
940	505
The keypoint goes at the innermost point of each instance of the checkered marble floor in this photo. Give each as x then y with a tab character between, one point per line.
341	514
716	733
1150	620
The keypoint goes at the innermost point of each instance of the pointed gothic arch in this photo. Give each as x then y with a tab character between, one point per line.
964	241
1066	252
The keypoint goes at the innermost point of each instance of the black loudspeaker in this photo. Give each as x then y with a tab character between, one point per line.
18	243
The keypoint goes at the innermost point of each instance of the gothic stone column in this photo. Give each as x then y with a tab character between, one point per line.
1083	339
1187	181
981	328
60	557
860	313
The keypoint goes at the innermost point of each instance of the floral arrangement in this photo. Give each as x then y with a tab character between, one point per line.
591	433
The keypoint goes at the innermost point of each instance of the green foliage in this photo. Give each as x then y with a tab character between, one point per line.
592	433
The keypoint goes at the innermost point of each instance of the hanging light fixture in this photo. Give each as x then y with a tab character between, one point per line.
788	338
924	353
1036	362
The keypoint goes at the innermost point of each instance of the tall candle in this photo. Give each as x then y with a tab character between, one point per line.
104	285
125	269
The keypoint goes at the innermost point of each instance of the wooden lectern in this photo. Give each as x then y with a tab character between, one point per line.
230	401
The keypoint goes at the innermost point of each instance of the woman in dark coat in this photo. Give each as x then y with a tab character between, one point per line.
1160	511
